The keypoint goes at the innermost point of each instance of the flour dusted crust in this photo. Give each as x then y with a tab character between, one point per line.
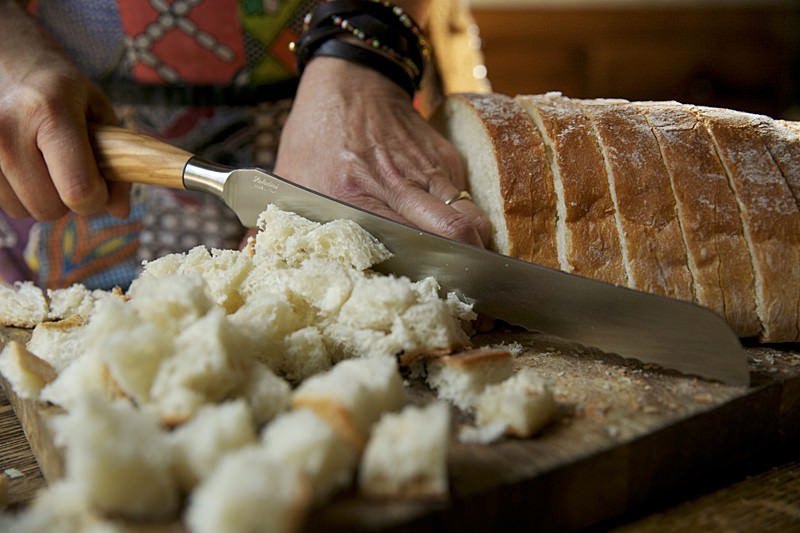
647	219
770	217
699	204
717	251
509	177
585	209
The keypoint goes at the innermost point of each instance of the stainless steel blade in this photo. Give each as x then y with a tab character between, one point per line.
634	324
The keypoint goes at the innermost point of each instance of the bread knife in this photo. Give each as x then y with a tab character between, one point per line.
633	324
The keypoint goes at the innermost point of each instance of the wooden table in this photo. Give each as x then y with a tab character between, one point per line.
650	482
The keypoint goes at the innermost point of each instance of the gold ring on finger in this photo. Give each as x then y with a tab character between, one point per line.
462	195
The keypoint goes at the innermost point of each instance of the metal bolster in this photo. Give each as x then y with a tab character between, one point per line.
205	176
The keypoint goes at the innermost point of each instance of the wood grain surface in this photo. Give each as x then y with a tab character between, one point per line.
629	439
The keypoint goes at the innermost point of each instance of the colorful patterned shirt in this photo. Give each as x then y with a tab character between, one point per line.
214	77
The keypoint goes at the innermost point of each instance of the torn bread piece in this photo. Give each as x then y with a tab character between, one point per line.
26	373
87	375
303	439
523	404
65	302
250	491
22	305
292	239
352	395
460	378
117	459
406	455
60	342
206	365
266	393
213	432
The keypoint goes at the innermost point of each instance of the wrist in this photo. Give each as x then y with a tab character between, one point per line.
331	73
377	34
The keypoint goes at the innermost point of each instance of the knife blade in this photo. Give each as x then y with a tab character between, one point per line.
630	323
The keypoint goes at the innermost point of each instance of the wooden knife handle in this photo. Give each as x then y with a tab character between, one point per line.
124	155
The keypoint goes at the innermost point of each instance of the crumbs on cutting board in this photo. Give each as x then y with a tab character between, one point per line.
623	397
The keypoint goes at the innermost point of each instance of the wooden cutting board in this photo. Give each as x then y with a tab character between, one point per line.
628	437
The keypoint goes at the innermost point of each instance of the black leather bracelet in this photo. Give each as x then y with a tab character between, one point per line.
381	36
368	58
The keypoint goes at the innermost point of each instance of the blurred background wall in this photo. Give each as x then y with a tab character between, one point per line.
740	54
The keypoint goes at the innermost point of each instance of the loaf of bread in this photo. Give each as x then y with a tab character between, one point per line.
696	203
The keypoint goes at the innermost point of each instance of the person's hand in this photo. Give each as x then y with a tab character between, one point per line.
354	135
46	162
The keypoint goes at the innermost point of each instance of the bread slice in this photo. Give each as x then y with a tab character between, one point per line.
717	252
22	305
507	172
783	142
769	214
523	403
460	378
26	373
250	491
652	241
304	440
406	455
588	240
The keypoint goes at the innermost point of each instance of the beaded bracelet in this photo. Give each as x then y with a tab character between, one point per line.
386	39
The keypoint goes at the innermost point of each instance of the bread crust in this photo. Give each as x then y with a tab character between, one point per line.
645	205
528	199
717	252
591	241
769	214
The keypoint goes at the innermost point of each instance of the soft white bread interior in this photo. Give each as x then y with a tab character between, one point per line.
26	373
523	404
117	459
461	378
302	439
60	342
406	455
23	305
353	395
250	491
215	431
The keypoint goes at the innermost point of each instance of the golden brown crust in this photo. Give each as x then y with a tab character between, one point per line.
769	215
478	356
645	205
335	414
526	182
718	254
590	231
